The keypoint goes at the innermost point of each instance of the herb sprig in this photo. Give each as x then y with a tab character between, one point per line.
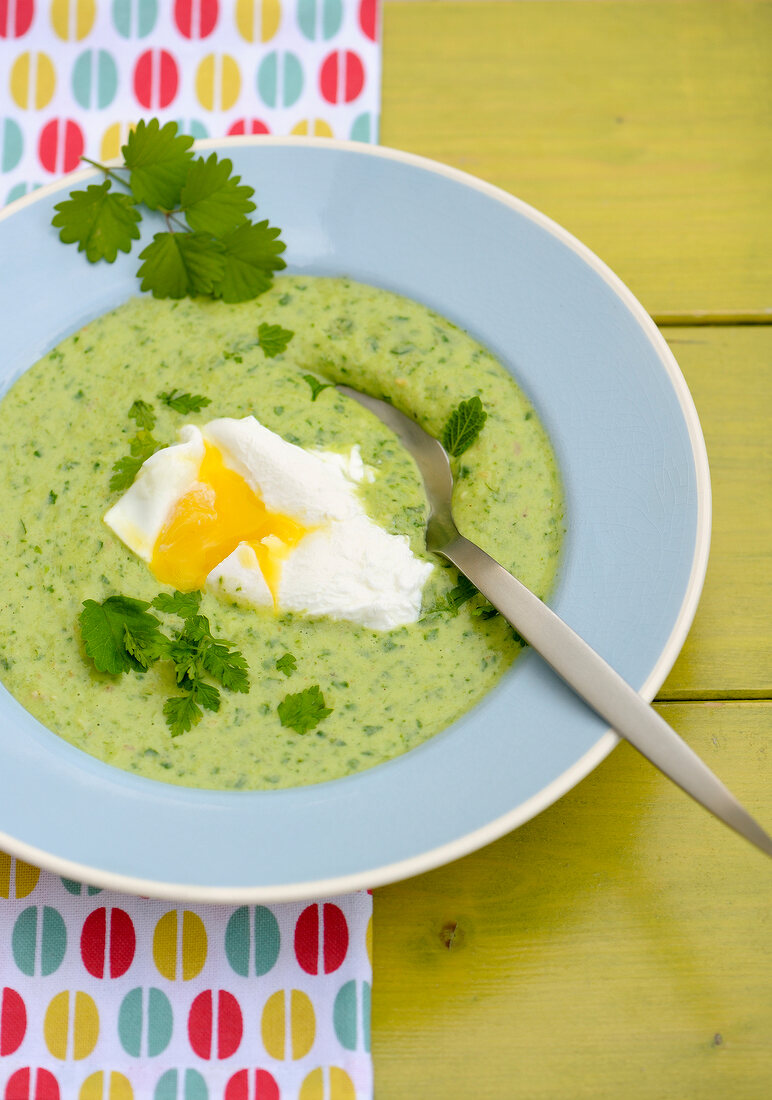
122	634
304	710
210	246
463	427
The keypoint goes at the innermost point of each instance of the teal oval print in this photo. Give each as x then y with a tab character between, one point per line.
347	1012
365	128
78	888
41	954
19	190
134	18
193	1086
261	933
94	79
192	126
145	1022
280	79
320	18
11	144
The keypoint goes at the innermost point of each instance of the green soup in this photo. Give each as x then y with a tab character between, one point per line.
64	424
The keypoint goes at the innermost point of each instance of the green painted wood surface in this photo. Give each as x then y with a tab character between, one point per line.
619	944
643	128
727	653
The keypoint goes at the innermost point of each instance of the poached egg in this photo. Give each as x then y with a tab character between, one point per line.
234	508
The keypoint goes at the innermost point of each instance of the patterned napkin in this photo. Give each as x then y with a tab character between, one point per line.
75	73
105	996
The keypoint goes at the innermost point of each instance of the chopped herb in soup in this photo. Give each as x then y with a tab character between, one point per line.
316	698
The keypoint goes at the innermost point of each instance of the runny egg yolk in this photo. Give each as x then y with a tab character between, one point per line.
209	522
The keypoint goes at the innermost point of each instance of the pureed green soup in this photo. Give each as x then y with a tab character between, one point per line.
64	424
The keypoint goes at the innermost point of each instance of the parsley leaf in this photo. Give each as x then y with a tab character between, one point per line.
206	694
182	712
184	604
211	246
273	339
251	256
463	427
286	664
105	628
179	265
142	446
121	634
99	220
184	402
317	386
463	591
159	160
303	711
124	472
212	199
143	414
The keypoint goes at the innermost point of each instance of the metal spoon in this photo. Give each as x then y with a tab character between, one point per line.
573	659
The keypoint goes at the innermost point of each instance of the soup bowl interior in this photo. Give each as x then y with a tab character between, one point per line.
633	465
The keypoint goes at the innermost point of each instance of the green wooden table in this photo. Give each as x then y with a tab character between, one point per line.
620	944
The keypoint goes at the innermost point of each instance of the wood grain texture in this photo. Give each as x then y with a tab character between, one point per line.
643	128
727	653
618	945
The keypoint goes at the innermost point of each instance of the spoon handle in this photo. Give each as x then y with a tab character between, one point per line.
602	688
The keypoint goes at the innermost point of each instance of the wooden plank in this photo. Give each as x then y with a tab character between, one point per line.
620	944
641	127
727	653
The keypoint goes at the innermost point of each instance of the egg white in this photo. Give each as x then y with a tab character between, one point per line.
346	567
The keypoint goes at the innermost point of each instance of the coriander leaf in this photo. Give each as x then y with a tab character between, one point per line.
251	256
142	446
124	472
143	414
286	664
145	649
206	695
181	712
463	426
303	711
213	200
101	221
104	629
183	604
159	159
463	591
316	385
179	265
273	339
485	611
227	666
184	402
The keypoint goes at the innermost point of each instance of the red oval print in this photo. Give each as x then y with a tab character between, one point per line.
249	126
196	18
341	77
60	145
219	1021
256	1084
107	942
32	1084
156	78
328	941
368	18
13	1021
15	17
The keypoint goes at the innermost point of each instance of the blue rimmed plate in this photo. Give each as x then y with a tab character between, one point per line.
637	489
